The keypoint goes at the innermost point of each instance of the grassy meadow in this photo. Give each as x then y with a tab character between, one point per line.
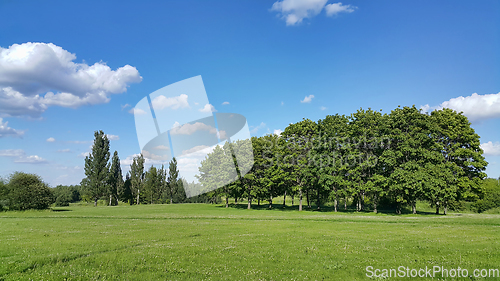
210	242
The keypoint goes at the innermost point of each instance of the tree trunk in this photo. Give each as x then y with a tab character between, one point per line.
319	199
307	197
445	208
249	203
258	202
335	203
300	199
284	199
271	202
414	208
227	201
345	203
292	199
375	203
110	199
437	208
95	202
235	200
138	192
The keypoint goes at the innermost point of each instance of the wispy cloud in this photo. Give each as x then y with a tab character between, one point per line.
51	139
255	129
225	103
19	156
5	130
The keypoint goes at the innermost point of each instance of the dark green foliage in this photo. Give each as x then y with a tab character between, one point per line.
490	196
115	180
4	192
125	193
66	194
28	191
97	168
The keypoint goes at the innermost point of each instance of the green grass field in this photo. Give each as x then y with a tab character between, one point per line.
210	242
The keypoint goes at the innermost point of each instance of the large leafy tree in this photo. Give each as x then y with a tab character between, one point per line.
96	167
462	158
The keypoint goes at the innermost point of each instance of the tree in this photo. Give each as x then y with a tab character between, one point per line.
125	193
462	158
28	191
137	176
96	166
115	179
4	193
173	180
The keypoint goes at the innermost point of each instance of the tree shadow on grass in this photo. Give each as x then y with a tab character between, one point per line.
322	209
61	210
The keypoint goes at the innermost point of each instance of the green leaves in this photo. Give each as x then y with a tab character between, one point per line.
96	166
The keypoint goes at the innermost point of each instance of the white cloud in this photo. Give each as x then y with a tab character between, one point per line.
12	152
20	156
176	124
162	102
307	99
51	139
113	137
295	11
336	8
225	103
257	128
278	132
125	106
5	130
189	129
34	76
491	148
208	108
64	150
194	149
137	111
322	108
152	156
475	107
32	159
161	147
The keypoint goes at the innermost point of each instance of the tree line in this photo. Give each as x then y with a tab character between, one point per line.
367	159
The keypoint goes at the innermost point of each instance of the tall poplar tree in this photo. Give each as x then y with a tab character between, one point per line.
96	166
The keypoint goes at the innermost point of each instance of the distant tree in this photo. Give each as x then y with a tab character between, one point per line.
28	191
66	194
125	193
153	185
97	167
4	192
115	179
489	197
172	179
137	176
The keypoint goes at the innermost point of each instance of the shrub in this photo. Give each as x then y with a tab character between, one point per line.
28	191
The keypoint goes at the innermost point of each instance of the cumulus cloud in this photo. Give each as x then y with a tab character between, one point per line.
475	107
19	156
307	99
336	8
34	76
278	132
51	139
208	108
84	154
295	11
112	137
162	102
5	130
225	103
491	148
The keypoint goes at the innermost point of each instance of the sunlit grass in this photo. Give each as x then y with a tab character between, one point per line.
210	242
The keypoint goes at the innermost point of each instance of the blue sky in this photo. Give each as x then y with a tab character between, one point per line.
262	57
